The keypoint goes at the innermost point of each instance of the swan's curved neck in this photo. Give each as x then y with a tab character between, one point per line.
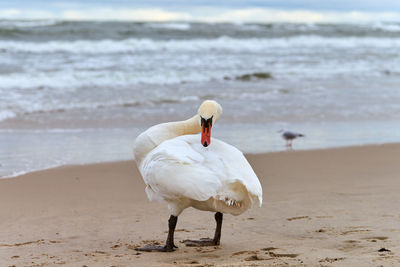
157	134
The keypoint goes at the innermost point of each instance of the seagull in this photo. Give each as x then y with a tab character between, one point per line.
289	137
185	169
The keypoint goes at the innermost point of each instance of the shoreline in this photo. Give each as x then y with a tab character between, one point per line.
321	207
41	149
23	173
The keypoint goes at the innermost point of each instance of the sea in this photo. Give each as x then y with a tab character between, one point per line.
77	92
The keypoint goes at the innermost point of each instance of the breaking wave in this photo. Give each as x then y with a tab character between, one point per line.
219	44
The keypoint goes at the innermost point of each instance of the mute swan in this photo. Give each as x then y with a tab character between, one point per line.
289	137
186	170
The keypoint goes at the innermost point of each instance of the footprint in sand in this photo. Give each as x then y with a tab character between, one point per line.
331	260
355	229
212	256
192	262
282	255
350	245
38	242
269	255
257	258
298	218
100	252
206	249
268	249
240	252
375	238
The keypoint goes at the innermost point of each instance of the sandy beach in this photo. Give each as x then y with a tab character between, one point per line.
334	207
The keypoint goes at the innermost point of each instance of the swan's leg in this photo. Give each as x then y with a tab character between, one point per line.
208	241
169	245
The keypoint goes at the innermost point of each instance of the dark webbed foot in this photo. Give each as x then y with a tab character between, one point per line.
169	245
203	242
152	248
208	241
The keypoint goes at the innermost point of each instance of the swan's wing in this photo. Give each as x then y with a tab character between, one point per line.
175	170
182	167
236	167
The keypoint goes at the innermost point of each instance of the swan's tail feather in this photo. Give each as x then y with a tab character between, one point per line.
236	195
233	202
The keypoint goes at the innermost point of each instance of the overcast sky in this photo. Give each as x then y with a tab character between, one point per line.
206	10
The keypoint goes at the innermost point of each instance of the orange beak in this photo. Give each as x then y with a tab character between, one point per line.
206	131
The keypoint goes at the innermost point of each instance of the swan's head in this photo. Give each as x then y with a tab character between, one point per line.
209	112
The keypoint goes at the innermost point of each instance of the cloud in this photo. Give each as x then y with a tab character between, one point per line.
299	16
260	15
203	14
149	14
265	15
13	13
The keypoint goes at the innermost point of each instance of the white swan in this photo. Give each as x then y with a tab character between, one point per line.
209	175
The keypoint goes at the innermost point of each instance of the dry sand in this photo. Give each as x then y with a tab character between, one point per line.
334	207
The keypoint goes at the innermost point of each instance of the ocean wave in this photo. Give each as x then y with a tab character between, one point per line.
69	79
12	24
170	26
218	44
21	108
7	114
389	27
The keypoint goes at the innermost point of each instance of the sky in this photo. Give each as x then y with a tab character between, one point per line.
313	11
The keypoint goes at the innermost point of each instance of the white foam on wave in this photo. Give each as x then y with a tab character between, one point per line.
133	45
171	26
15	174
6	114
28	170
249	27
70	79
389	27
22	106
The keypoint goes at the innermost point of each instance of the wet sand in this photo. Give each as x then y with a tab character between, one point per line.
334	207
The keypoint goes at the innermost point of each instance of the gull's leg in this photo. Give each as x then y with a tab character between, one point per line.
169	244
208	241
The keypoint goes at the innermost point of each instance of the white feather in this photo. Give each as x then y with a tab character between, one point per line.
184	173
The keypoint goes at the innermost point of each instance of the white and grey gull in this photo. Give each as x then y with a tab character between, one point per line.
289	136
